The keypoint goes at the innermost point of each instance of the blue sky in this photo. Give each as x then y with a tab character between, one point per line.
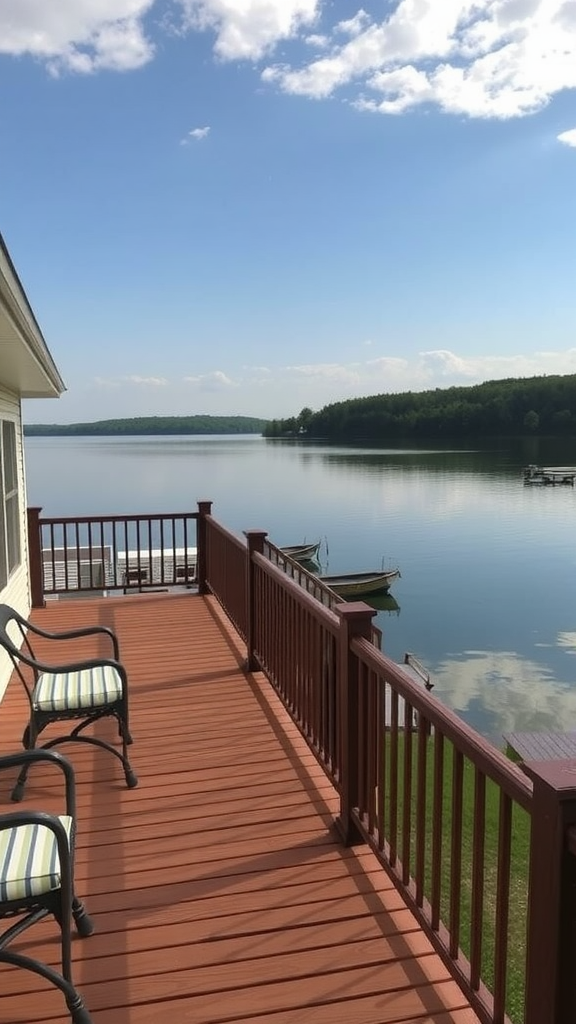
252	206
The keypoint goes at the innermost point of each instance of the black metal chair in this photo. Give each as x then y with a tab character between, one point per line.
88	690
37	879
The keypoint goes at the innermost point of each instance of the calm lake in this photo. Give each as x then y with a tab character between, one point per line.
487	597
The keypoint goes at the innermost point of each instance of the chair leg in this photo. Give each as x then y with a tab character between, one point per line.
29	737
78	1011
82	920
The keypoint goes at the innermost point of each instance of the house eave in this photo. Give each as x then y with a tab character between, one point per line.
26	365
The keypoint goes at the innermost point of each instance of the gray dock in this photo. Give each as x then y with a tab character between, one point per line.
540	746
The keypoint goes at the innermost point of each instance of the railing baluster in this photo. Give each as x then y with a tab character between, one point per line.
502	907
437	829
421	822
393	796
407	796
456	851
477	908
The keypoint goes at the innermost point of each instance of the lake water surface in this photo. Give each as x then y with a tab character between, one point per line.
487	597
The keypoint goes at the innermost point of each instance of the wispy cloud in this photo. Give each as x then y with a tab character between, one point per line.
568	138
281	391
155	382
215	381
195	135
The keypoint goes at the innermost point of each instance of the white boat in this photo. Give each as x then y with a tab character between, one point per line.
355	584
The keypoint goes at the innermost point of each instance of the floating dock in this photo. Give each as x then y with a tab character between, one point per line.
550	475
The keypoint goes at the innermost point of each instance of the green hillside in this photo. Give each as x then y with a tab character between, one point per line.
514	407
151	425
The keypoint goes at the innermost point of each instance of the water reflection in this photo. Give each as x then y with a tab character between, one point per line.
383	603
501	691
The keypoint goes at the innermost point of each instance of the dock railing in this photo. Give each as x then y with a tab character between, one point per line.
483	852
97	554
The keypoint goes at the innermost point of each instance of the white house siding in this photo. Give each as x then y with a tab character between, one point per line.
17	592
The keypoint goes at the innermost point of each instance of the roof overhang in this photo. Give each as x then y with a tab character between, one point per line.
26	366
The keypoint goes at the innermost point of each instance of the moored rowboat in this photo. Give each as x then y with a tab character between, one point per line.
355	584
302	552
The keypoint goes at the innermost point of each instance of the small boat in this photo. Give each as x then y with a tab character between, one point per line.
355	584
302	552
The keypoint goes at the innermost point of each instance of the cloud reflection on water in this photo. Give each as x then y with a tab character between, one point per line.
507	692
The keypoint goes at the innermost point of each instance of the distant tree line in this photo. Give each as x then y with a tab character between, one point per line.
514	407
151	425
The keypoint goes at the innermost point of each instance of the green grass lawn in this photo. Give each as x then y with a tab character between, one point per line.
520	848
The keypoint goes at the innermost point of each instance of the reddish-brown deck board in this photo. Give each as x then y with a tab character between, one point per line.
218	888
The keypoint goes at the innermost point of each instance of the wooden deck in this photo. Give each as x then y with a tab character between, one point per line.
218	887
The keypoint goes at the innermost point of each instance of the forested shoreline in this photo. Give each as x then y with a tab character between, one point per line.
535	406
148	425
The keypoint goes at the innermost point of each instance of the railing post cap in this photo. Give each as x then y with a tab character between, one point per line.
354	610
557	775
255	533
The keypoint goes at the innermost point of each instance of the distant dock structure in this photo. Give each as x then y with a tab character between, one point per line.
549	475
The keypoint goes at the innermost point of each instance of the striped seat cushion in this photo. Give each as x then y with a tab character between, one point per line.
63	691
29	862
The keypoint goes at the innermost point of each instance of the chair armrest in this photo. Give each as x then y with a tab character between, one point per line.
25	758
74	634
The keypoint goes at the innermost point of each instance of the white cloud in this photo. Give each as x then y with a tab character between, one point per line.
157	382
215	381
480	58
196	135
568	138
249	29
78	35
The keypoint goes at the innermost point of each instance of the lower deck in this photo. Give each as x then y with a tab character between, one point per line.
218	887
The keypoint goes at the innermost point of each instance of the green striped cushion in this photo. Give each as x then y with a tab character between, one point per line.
29	862
62	691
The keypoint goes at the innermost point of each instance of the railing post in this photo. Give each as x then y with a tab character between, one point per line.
35	567
551	939
204	510
255	542
355	621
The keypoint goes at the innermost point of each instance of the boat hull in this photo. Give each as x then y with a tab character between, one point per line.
302	552
356	584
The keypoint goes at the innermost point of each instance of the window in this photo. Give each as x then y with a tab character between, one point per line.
9	504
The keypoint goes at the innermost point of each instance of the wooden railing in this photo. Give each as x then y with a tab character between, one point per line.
483	852
226	571
304	674
439	807
110	553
